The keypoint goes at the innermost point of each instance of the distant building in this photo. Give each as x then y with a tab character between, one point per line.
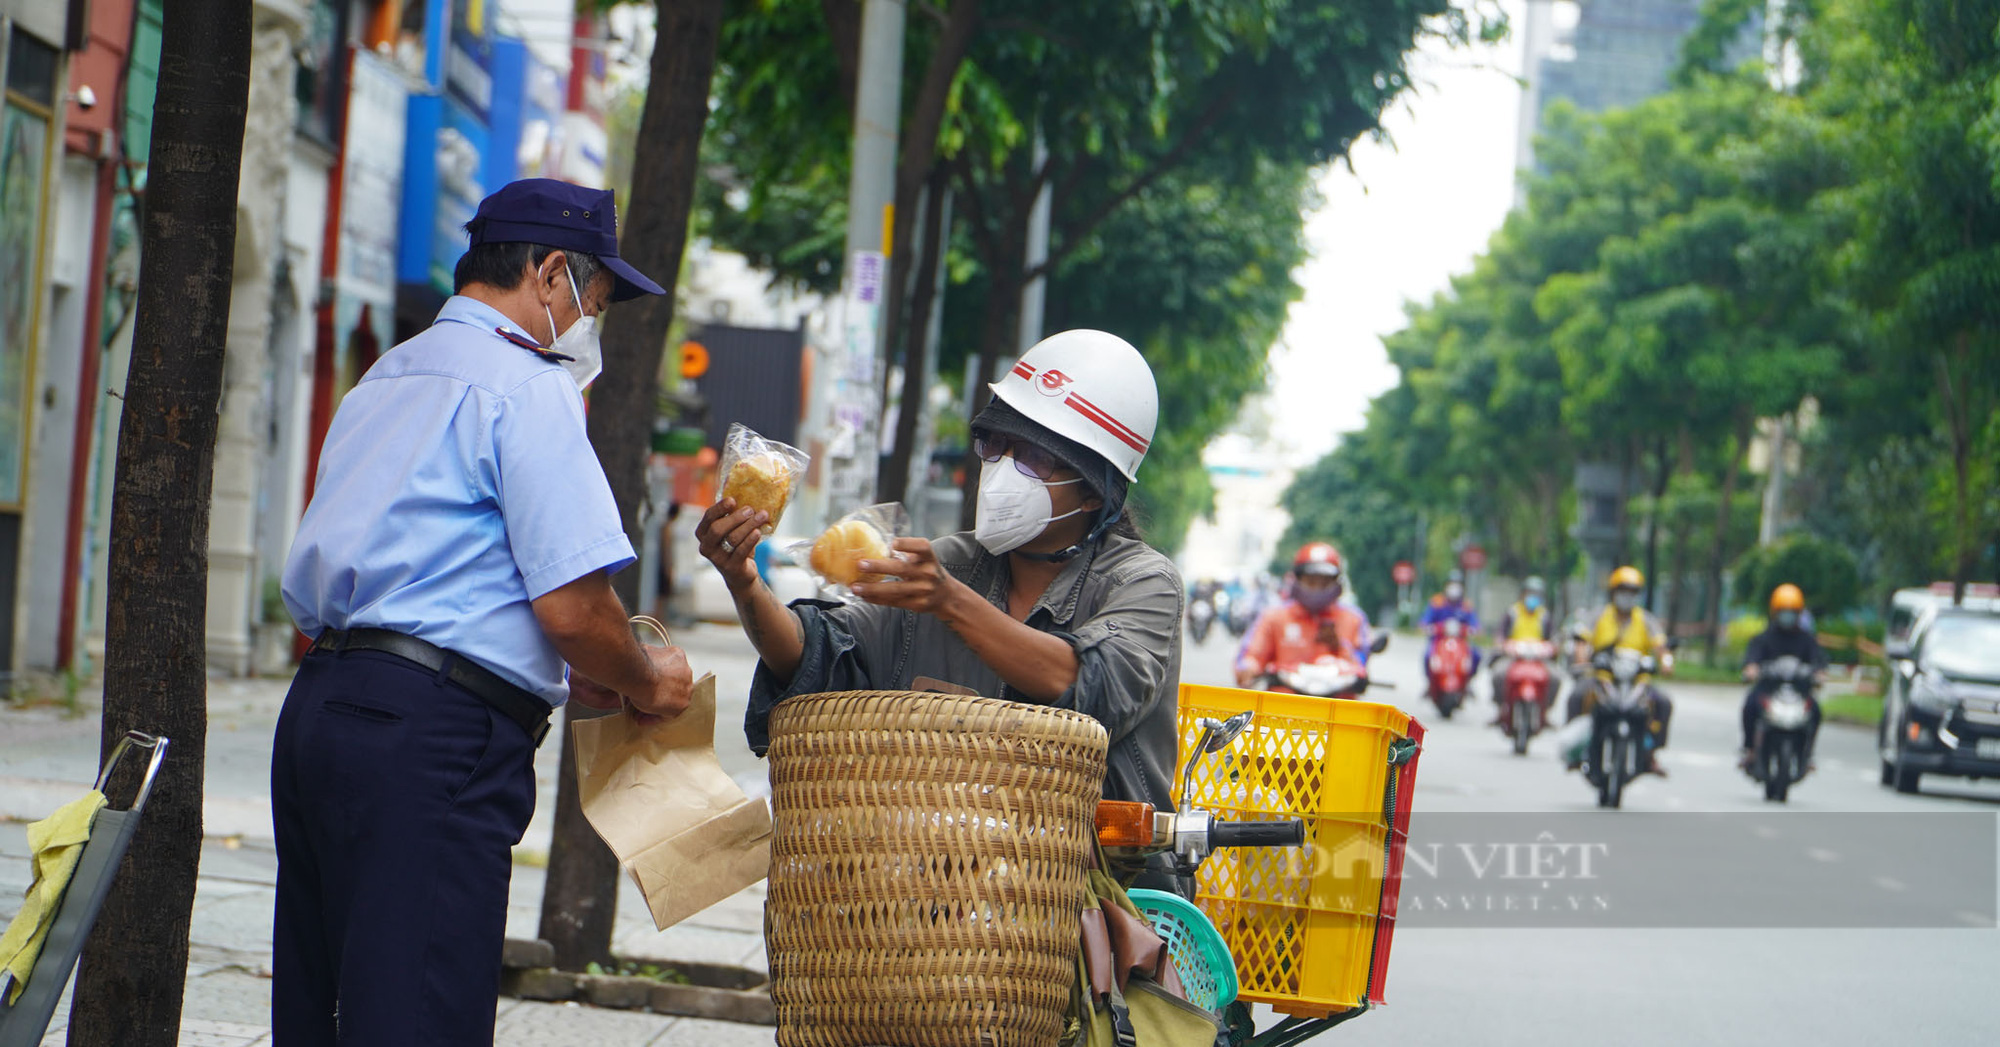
1603	54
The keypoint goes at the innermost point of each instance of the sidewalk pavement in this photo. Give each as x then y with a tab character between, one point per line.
48	756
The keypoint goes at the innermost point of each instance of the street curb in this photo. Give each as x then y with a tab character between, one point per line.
717	992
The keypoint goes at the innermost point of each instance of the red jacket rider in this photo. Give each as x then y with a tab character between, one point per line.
1309	626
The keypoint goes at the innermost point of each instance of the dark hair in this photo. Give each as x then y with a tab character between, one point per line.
501	264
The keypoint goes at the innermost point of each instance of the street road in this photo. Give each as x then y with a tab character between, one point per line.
1687	983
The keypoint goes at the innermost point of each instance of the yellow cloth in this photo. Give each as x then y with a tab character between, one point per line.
1639	632
56	843
1527	624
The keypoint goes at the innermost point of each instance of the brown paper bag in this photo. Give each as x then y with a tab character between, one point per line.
662	802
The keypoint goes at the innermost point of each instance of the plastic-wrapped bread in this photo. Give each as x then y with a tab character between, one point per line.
761	481
838	553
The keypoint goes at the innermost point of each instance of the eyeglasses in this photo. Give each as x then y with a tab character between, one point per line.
1028	458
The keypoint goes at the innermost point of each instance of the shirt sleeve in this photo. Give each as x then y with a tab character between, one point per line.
561	520
1123	650
1259	646
834	659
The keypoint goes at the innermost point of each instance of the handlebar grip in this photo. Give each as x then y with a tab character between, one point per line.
1288	832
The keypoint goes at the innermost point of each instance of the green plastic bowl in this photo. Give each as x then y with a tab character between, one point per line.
1201	957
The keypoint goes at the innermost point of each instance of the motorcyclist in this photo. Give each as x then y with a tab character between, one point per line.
1528	618
1451	605
1785	635
1310	624
1623	623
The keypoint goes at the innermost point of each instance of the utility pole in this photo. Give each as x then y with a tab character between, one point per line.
1774	485
844	400
1034	293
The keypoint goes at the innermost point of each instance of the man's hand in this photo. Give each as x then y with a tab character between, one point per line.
1750	671
727	537
922	584
673	686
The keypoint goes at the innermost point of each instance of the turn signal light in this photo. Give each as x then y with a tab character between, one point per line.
1123	823
1916	732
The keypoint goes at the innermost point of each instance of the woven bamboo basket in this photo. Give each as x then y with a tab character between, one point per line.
929	861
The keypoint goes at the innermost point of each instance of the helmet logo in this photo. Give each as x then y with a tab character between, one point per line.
1051	382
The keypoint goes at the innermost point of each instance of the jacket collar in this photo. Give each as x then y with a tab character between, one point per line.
992	576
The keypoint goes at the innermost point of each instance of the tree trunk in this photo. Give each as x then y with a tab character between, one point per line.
1719	549
1625	500
996	337
580	898
895	483
1964	553
1660	475
1677	567
134	970
916	159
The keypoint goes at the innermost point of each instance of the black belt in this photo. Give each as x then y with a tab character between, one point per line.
518	705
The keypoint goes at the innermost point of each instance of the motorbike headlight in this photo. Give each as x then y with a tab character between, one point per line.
1932	693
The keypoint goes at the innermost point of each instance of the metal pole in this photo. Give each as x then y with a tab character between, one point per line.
844	412
1035	292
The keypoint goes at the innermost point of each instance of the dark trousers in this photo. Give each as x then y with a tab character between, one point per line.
398	797
1663	708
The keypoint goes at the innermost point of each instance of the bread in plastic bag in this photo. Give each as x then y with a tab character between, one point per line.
761	473
867	533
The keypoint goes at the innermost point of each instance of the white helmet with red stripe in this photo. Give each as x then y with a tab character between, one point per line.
1092	387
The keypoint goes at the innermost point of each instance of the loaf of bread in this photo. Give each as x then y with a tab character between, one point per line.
761	481
838	553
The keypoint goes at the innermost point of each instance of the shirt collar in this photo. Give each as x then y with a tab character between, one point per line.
471	311
1062	595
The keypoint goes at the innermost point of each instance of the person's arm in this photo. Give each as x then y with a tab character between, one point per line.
1039	665
1260	648
727	537
567	538
587	624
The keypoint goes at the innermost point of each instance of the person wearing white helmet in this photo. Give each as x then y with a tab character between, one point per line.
1051	598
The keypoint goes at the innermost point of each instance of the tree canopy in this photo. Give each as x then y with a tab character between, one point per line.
1813	254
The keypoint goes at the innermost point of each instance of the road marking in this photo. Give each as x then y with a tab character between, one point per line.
1821	854
1974	919
1890	883
1765	832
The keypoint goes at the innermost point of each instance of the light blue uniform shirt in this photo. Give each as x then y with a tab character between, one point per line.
456	485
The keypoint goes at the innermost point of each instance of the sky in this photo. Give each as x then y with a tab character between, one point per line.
1413	212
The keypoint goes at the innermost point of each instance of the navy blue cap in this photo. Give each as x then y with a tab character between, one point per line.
558	214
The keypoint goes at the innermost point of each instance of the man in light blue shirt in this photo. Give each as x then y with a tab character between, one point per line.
455	559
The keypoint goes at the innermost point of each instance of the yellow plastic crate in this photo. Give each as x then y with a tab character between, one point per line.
1300	922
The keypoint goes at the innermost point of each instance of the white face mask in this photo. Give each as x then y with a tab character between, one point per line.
1625	601
1014	508
579	342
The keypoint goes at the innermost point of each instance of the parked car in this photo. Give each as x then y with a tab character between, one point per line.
1908	606
1942	711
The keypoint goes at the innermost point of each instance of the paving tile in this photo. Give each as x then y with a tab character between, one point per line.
228	996
530	1024
699	1032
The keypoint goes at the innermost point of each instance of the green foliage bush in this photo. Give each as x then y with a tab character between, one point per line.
1825	570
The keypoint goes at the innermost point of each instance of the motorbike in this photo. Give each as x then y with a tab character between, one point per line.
1330	676
1784	717
1620	722
1201	618
1526	690
1243	612
1132	831
1450	668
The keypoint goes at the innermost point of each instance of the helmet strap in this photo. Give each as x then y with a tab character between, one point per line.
1066	555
